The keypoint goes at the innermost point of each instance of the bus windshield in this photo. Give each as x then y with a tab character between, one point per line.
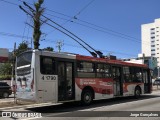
24	59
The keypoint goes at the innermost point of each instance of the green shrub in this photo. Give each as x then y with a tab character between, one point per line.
5	77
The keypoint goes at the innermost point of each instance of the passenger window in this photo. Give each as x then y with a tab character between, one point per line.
126	74
136	74
86	69
103	71
47	65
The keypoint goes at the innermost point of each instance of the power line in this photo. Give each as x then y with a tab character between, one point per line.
71	45
84	8
49	40
25	27
92	53
9	2
13	35
104	30
2	0
78	13
107	29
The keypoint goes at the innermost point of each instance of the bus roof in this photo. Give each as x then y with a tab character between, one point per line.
92	59
109	61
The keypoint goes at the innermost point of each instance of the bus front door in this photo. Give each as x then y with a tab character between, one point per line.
65	81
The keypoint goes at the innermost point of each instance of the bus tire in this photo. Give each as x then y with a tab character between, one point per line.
87	97
137	92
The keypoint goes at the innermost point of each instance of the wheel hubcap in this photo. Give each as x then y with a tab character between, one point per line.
87	97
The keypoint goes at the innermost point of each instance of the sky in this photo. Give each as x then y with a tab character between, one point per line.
111	26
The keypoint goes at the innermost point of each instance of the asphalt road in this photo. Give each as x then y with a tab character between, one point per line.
126	108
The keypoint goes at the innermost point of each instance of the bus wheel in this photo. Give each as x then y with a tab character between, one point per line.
87	97
137	92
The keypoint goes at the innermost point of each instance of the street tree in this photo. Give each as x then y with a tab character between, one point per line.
22	47
5	68
37	23
49	49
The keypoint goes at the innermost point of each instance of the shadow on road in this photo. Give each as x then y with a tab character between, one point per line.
76	106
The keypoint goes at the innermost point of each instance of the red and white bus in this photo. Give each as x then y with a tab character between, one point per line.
44	76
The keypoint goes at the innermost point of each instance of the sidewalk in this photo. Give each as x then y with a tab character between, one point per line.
155	88
12	103
24	105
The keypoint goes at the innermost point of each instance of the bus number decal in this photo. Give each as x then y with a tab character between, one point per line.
48	77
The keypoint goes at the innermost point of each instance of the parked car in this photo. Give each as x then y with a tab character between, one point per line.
5	90
156	82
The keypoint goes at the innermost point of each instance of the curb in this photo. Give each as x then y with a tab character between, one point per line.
28	106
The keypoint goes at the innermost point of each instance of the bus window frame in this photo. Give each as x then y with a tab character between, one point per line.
79	73
134	77
103	73
53	68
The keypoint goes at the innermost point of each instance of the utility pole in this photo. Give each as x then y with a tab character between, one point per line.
36	16
59	45
13	82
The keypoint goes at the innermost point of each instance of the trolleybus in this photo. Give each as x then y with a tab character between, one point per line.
44	76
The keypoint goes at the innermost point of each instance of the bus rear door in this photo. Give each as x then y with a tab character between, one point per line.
117	77
147	81
65	81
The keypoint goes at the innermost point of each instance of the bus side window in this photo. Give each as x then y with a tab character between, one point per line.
47	65
86	69
126	74
136	74
103	71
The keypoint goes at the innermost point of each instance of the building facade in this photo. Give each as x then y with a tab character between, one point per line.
151	62
150	34
4	55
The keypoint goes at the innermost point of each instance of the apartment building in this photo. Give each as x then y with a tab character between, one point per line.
150	34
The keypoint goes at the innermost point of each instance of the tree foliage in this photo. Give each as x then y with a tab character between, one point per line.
5	69
49	49
37	23
22	47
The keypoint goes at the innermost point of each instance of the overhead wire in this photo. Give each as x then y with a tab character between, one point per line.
25	28
76	46
92	53
9	2
13	35
47	9
49	40
84	8
100	54
80	11
104	29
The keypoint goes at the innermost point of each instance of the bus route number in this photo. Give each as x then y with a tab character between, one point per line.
48	77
